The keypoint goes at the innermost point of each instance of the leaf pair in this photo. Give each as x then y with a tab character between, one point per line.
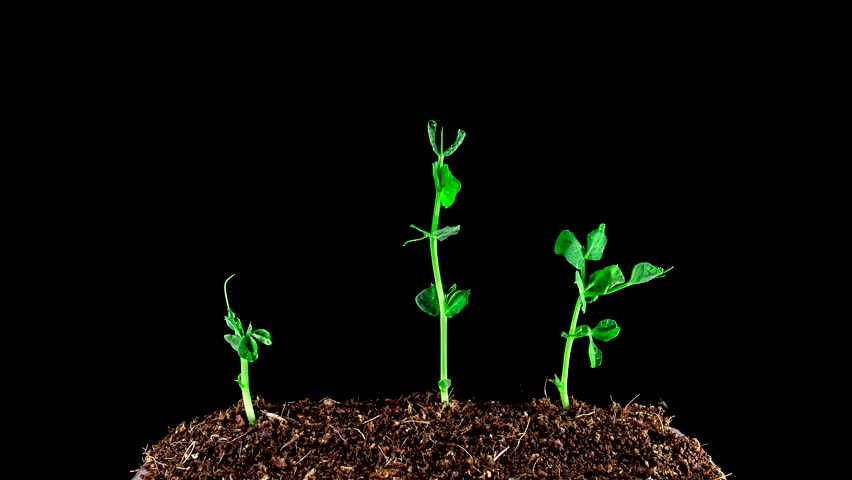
431	127
456	300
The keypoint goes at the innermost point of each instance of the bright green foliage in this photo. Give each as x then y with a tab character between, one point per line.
245	343
432	299
602	282
427	300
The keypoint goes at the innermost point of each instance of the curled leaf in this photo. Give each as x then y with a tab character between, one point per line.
459	139
595	243
431	125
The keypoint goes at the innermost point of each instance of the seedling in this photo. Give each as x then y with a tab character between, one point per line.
602	282
432	299
245	343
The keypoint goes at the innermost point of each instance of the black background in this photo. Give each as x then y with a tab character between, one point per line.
300	171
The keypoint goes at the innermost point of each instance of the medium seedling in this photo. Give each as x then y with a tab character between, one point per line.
432	299
245	343
602	282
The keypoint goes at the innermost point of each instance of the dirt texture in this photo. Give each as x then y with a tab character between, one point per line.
416	437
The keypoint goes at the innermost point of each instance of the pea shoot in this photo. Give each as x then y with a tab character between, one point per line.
432	299
602	282
245	343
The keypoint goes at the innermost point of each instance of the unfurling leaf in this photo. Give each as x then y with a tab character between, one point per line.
440	234
580	331
424	232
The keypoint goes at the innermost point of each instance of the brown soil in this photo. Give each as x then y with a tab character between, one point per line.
416	437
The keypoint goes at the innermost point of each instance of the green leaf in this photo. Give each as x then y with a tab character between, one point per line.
234	323
568	245
596	242
233	340
456	301
595	355
262	336
431	125
644	272
603	280
248	348
444	384
606	330
459	139
450	186
427	300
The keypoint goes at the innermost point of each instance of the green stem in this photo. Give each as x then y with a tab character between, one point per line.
439	289
244	386
563	392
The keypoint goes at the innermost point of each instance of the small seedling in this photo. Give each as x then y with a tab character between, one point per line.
245	343
432	299
601	282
